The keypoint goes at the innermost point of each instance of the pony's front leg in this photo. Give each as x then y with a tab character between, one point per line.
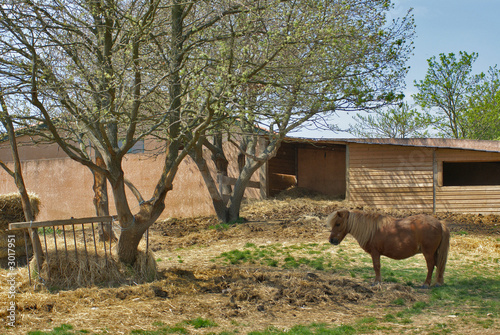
376	267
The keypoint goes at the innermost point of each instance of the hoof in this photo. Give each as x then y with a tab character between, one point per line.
376	283
425	286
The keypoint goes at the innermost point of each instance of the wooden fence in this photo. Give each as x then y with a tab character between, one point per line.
76	236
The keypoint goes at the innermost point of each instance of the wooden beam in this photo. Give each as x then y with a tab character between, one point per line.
39	224
232	181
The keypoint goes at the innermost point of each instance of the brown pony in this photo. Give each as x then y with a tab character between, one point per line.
395	238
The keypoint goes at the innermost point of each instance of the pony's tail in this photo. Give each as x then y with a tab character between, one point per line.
442	253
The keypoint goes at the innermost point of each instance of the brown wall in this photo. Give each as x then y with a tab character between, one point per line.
388	176
466	199
323	169
65	186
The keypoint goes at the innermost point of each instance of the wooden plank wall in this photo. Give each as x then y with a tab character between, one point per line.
466	199
323	169
388	176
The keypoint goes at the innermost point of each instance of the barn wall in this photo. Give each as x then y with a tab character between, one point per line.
387	176
482	199
323	169
65	186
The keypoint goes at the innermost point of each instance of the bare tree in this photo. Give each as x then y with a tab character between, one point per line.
393	122
304	61
17	174
106	74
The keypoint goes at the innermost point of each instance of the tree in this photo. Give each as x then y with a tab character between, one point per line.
483	113
17	174
447	86
395	122
309	59
106	74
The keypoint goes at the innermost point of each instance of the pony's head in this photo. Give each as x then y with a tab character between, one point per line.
337	222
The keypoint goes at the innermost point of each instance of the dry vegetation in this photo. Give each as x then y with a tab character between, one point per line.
276	270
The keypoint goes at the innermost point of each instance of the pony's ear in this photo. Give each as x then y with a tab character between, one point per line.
329	219
342	213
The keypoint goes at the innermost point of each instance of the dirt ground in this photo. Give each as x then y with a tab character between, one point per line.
240	298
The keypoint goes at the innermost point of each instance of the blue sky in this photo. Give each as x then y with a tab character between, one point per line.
443	26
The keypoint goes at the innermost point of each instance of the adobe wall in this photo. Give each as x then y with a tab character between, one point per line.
65	186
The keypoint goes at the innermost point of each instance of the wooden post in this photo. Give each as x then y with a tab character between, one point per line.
347	191
263	181
434	180
37	248
263	173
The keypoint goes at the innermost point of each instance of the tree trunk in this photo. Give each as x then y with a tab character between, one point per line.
127	244
101	203
216	194
234	204
221	162
19	180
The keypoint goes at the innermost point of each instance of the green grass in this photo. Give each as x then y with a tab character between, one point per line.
277	255
162	331
61	330
49	231
470	294
201	323
313	329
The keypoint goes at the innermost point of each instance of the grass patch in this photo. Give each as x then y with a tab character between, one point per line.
49	231
201	323
220	226
313	329
161	331
63	329
277	255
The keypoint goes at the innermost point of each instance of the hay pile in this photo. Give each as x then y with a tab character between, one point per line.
11	210
86	269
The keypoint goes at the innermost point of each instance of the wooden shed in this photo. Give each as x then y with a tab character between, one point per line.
429	175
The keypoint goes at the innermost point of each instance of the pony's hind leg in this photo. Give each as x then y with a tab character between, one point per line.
440	266
429	259
441	255
376	267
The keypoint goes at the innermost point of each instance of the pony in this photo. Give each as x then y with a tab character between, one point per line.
381	235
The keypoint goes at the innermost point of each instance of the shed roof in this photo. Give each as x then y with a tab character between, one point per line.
446	143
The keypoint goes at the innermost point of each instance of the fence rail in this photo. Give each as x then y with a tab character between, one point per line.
72	221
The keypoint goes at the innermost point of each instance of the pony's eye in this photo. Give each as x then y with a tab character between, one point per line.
337	225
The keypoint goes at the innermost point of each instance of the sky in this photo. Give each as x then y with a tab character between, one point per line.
442	26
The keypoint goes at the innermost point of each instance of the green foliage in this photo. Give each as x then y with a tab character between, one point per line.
483	113
447	84
467	105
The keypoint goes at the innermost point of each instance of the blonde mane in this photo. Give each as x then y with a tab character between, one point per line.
363	226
